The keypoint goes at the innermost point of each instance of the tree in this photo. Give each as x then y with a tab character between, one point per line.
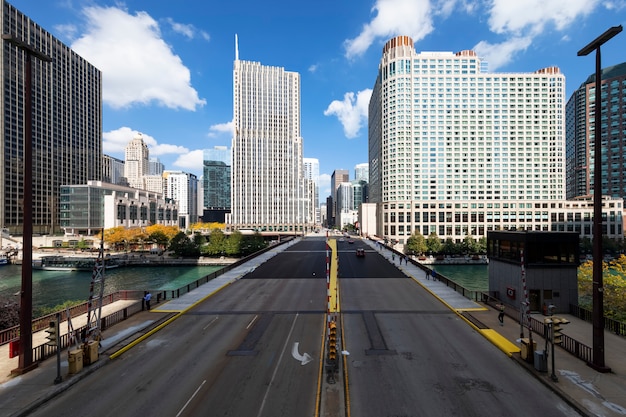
233	246
415	244
181	245
470	246
216	245
449	247
434	243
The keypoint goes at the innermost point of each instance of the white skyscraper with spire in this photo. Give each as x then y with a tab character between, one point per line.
269	191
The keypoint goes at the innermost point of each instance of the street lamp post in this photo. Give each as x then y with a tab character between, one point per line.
598	299
26	295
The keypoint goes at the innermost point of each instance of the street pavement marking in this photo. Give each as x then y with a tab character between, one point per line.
500	341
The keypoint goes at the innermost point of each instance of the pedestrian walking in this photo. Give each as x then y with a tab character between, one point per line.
434	275
427	275
393	256
146	298
500	313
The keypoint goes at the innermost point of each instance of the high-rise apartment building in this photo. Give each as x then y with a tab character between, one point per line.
155	166
183	188
136	157
268	185
580	135
457	151
66	124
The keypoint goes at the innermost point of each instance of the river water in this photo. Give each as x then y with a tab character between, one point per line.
51	288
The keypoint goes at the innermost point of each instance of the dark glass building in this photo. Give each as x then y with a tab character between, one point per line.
66	124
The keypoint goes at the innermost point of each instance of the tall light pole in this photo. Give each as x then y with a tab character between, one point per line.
26	294
598	299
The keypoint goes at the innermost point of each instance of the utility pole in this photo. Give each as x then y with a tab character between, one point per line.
26	294
598	299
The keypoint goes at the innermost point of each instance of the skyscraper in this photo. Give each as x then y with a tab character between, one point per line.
362	172
268	186
338	176
66	124
216	178
580	134
457	151
136	158
312	173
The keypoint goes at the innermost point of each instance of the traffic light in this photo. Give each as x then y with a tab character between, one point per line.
332	341
52	334
557	331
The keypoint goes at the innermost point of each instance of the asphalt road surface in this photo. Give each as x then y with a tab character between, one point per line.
245	352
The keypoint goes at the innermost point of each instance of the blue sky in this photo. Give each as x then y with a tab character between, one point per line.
167	66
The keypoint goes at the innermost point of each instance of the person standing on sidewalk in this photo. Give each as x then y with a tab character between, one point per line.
501	313
146	298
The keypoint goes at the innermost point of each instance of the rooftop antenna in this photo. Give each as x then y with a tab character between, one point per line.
236	48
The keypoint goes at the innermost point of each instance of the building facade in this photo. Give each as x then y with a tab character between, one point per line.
216	178
66	124
87	208
136	157
182	187
312	174
338	177
113	170
268	186
580	135
456	151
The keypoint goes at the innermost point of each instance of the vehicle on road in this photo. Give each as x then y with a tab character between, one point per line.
360	252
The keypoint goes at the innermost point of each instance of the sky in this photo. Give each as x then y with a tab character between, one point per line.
167	67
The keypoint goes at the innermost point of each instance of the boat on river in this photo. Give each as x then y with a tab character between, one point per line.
65	263
4	259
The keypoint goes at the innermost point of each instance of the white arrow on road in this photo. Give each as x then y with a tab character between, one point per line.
304	359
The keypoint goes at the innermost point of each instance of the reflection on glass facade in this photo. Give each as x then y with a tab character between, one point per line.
537	248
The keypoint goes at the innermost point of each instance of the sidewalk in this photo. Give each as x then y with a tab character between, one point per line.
592	393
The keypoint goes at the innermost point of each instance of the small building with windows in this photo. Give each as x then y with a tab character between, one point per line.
542	264
87	208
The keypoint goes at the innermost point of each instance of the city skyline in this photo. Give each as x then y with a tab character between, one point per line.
170	75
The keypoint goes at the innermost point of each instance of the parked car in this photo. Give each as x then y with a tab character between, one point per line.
360	252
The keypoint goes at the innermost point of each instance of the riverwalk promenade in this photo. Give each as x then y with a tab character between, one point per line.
590	392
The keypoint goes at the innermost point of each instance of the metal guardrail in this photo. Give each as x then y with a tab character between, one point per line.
40	323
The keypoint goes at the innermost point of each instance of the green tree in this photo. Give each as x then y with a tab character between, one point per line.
181	245
434	244
449	247
415	244
482	245
160	238
217	243
234	244
470	246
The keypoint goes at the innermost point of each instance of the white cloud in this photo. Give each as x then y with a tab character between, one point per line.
351	112
191	161
393	17
532	16
498	55
187	30
221	128
324	187
115	141
138	66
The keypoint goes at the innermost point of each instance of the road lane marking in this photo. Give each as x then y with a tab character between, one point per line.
252	321
280	359
191	398
210	323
